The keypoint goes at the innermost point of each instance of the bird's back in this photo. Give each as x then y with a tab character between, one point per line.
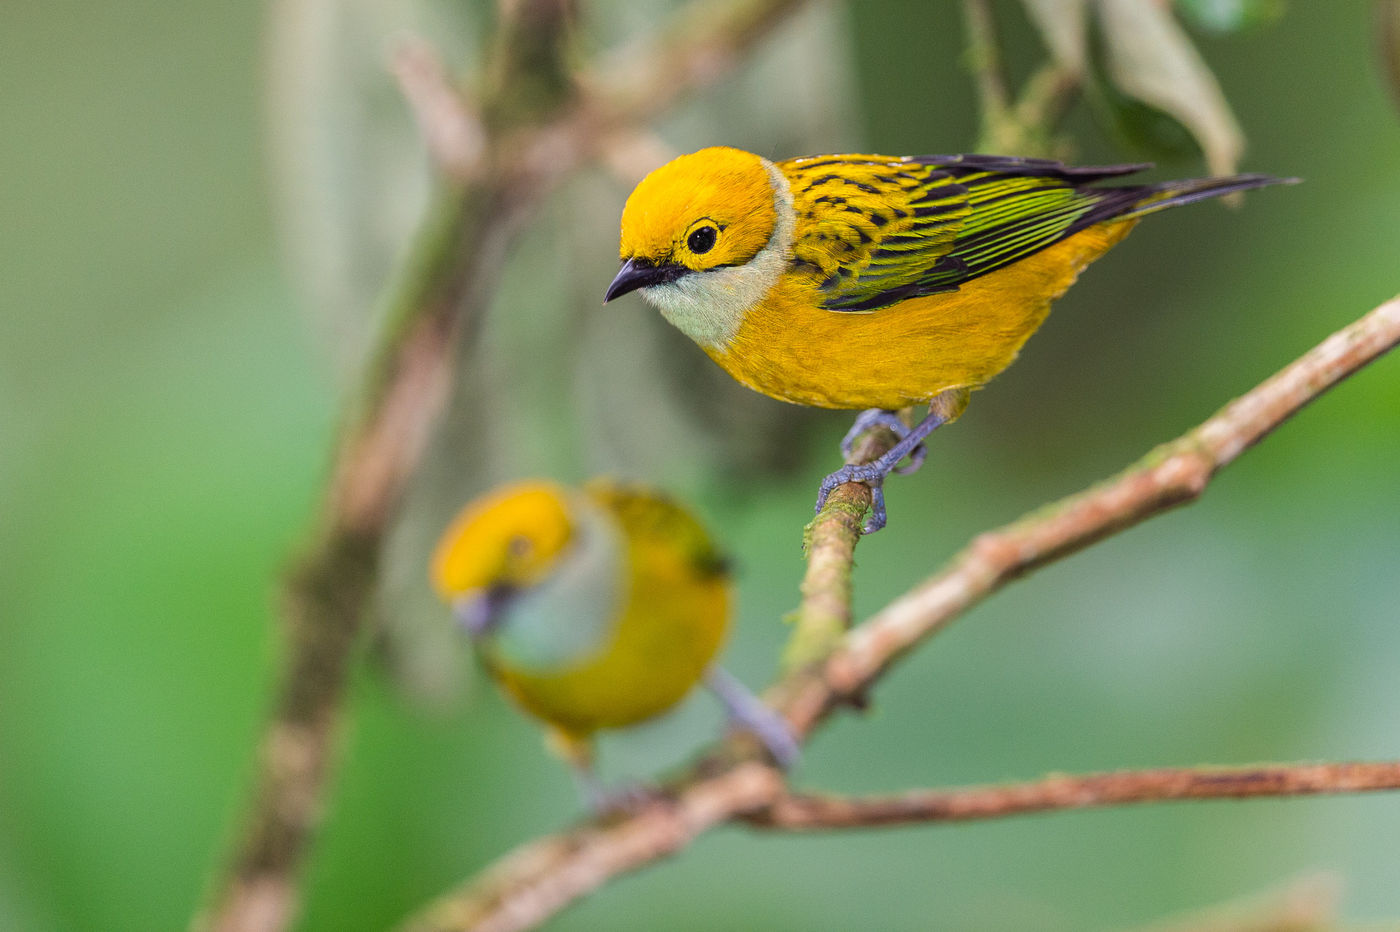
911	276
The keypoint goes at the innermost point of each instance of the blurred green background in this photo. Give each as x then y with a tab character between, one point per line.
201	203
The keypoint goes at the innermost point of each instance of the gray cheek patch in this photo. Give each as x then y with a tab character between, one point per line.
570	616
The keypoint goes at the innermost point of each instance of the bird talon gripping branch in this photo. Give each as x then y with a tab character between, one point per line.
866	281
869	474
868	420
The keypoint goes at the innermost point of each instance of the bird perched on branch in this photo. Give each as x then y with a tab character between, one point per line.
594	608
865	281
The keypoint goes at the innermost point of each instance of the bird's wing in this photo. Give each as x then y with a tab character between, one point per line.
875	230
657	520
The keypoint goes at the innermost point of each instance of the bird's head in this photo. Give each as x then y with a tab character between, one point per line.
499	545
698	239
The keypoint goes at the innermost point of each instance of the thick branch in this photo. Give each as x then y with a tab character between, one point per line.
537	127
544	876
814	812
825	611
540	879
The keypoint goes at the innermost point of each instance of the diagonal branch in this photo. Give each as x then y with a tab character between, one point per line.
536	125
825	611
806	812
544	876
1171	475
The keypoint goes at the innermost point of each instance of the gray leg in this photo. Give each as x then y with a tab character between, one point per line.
577	752
891	421
944	407
748	712
873	474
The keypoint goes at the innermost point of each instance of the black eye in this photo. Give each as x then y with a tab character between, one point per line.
702	240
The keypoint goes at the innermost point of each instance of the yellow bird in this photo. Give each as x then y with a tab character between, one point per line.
867	281
594	608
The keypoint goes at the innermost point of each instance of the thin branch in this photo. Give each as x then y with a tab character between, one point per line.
1171	475
702	43
541	878
538	126
544	876
1024	126
1045	100
806	812
1306	904
984	60
450	128
830	542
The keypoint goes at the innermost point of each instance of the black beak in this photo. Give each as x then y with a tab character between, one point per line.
479	613
639	273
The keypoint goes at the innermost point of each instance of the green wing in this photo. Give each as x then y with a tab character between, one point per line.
877	230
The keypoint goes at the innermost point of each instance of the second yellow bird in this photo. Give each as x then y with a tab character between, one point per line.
595	608
867	281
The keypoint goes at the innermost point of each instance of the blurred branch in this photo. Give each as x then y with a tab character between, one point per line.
1305	904
543	877
1044	102
1173	474
1388	42
984	59
539	879
536	124
451	130
807	812
1025	126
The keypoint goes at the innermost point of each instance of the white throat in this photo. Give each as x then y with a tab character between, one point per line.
709	306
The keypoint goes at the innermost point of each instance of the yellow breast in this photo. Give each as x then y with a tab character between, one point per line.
792	349
672	622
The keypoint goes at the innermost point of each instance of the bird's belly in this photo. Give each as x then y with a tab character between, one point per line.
664	642
790	348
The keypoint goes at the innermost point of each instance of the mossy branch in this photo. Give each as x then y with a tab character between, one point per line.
731	783
830	544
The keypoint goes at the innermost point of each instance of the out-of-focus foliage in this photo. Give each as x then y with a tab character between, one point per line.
166	407
1224	16
1150	58
1064	25
1147	79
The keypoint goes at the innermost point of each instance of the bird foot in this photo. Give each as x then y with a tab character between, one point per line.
890	420
873	475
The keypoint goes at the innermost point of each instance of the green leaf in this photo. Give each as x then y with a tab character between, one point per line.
1139	127
1224	16
1150	58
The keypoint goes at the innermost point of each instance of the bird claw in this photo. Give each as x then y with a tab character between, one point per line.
941	409
873	476
916	459
871	418
891	421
